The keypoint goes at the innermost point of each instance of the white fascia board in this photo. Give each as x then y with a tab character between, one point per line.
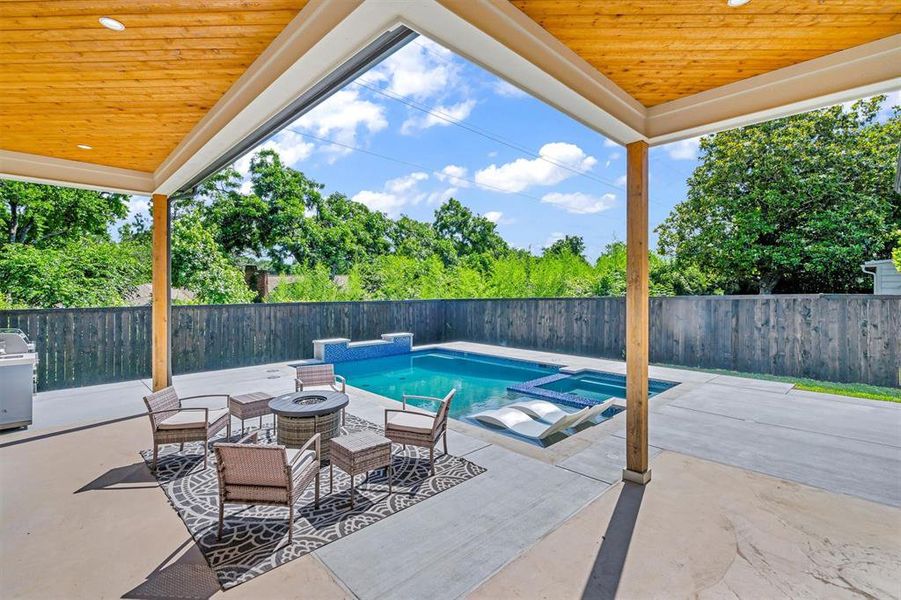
858	72
72	173
321	37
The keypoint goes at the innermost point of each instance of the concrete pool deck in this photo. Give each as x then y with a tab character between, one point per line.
73	483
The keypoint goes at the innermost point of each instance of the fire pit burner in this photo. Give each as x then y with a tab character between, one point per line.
305	400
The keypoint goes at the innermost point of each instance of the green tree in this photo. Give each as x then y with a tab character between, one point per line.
794	205
896	253
470	233
39	215
73	273
572	244
200	265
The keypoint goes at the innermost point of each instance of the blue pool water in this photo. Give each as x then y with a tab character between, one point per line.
481	381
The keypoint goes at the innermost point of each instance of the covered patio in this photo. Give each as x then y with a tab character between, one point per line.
759	490
181	91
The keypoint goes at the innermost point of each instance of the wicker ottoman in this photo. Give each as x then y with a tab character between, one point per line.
360	452
248	406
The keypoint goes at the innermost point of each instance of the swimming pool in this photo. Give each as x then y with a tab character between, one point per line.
481	381
485	382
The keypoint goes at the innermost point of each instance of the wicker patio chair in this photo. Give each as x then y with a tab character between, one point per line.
268	475
320	377
172	423
419	428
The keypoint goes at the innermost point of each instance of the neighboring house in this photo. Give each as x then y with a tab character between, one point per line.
263	282
144	292
886	278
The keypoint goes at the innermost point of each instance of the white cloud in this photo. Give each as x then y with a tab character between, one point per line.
493	215
502	88
341	118
420	70
396	193
683	150
406	183
440	115
442	196
611	158
291	148
138	205
621	181
454	174
555	236
578	203
608	143
562	161
389	204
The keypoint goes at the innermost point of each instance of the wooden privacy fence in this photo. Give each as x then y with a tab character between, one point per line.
854	338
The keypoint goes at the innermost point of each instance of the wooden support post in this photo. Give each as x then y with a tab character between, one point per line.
637	309
162	299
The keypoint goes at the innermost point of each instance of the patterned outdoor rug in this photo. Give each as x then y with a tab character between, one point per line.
255	537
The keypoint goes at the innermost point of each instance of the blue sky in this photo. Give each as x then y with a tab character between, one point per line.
426	125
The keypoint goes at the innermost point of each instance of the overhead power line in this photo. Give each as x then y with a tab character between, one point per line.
433	111
421	167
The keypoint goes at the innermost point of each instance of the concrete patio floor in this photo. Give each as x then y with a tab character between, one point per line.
78	503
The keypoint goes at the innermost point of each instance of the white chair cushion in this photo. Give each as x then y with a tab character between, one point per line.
412	422
308	457
191	419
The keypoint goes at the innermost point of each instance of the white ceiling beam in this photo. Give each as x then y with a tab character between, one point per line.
72	173
858	72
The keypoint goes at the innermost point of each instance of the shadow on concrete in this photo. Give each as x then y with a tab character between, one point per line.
128	477
603	581
187	576
44	436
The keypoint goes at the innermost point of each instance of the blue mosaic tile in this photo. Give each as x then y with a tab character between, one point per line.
342	350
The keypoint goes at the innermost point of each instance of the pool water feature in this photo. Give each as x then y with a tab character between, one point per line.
481	381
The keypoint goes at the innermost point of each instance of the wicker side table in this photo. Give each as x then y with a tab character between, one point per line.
248	406
360	452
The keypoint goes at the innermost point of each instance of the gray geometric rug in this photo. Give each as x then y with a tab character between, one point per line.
254	539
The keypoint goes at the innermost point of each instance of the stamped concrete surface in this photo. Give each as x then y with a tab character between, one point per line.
705	530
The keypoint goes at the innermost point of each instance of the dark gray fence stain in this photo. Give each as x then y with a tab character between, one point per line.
852	338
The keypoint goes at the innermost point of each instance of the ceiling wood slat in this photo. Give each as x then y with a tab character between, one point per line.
662	50
66	80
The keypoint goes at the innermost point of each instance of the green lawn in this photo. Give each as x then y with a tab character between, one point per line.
857	390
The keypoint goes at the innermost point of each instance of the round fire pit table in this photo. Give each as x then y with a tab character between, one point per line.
300	415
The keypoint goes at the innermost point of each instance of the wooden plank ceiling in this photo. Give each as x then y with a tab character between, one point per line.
661	50
66	80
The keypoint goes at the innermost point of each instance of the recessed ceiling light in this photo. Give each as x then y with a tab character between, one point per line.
117	26
85	147
734	3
